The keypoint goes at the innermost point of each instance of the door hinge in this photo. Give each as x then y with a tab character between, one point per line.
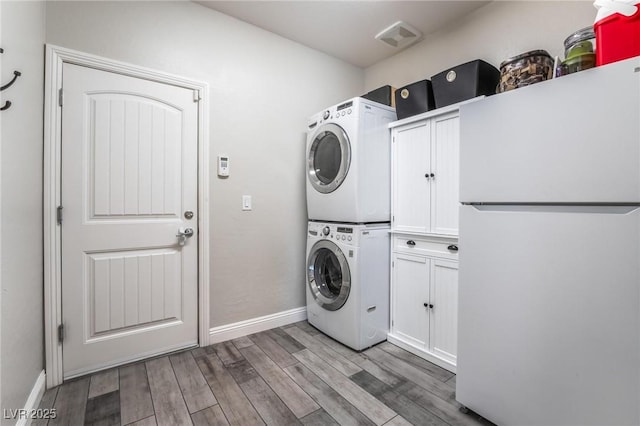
393	264
196	96
60	97
59	215
61	333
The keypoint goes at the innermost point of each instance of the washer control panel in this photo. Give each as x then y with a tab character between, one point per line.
343	234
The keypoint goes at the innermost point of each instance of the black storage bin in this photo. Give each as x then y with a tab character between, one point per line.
414	98
464	82
382	95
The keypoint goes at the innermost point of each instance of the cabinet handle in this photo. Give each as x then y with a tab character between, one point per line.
428	305
432	175
453	247
426	175
411	243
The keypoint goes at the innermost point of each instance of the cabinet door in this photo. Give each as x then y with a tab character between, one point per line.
410	290
445	151
443	317
411	189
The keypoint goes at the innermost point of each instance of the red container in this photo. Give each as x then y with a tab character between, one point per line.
617	37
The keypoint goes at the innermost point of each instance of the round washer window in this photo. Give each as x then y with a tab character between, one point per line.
328	275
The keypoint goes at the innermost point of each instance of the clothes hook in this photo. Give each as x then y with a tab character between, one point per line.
6	106
16	74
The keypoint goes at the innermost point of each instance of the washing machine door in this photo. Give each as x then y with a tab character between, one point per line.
329	158
328	275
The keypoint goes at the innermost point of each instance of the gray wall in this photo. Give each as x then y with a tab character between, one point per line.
494	32
22	37
263	87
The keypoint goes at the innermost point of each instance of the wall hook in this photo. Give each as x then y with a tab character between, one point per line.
16	74
6	106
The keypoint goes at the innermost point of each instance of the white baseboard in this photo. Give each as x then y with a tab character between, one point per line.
33	401
255	325
447	365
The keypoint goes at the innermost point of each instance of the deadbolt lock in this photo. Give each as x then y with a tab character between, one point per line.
188	214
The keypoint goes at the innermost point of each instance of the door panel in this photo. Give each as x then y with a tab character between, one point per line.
134	283
411	189
443	319
129	170
410	292
130	175
446	159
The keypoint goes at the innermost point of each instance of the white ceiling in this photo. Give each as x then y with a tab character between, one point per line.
345	29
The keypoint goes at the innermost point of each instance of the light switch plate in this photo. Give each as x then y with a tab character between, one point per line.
246	202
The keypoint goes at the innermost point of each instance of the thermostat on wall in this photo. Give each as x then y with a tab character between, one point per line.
223	165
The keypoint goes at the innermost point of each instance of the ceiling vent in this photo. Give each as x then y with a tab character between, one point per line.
399	35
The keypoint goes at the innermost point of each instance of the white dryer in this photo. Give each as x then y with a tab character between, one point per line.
348	282
348	162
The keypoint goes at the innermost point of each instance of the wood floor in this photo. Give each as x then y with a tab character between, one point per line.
284	376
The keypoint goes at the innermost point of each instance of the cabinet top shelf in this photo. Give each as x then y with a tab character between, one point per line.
432	113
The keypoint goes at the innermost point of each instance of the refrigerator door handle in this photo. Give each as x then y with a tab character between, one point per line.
557	208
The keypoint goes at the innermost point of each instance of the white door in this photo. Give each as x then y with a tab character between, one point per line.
411	175
443	319
129	179
410	297
445	147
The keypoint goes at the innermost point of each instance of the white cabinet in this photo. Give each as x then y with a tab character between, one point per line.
424	207
424	299
425	175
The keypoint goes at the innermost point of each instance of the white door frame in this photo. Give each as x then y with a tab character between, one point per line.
55	58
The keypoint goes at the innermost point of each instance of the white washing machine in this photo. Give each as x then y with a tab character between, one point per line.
348	282
348	162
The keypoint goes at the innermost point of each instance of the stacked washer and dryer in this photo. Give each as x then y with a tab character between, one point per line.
348	204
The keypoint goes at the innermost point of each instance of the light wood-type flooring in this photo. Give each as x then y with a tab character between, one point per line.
284	376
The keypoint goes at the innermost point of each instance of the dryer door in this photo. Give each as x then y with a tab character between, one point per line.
328	275
329	158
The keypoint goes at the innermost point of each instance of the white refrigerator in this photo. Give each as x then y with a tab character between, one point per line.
549	291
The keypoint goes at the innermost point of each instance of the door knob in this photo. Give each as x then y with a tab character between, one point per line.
183	234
